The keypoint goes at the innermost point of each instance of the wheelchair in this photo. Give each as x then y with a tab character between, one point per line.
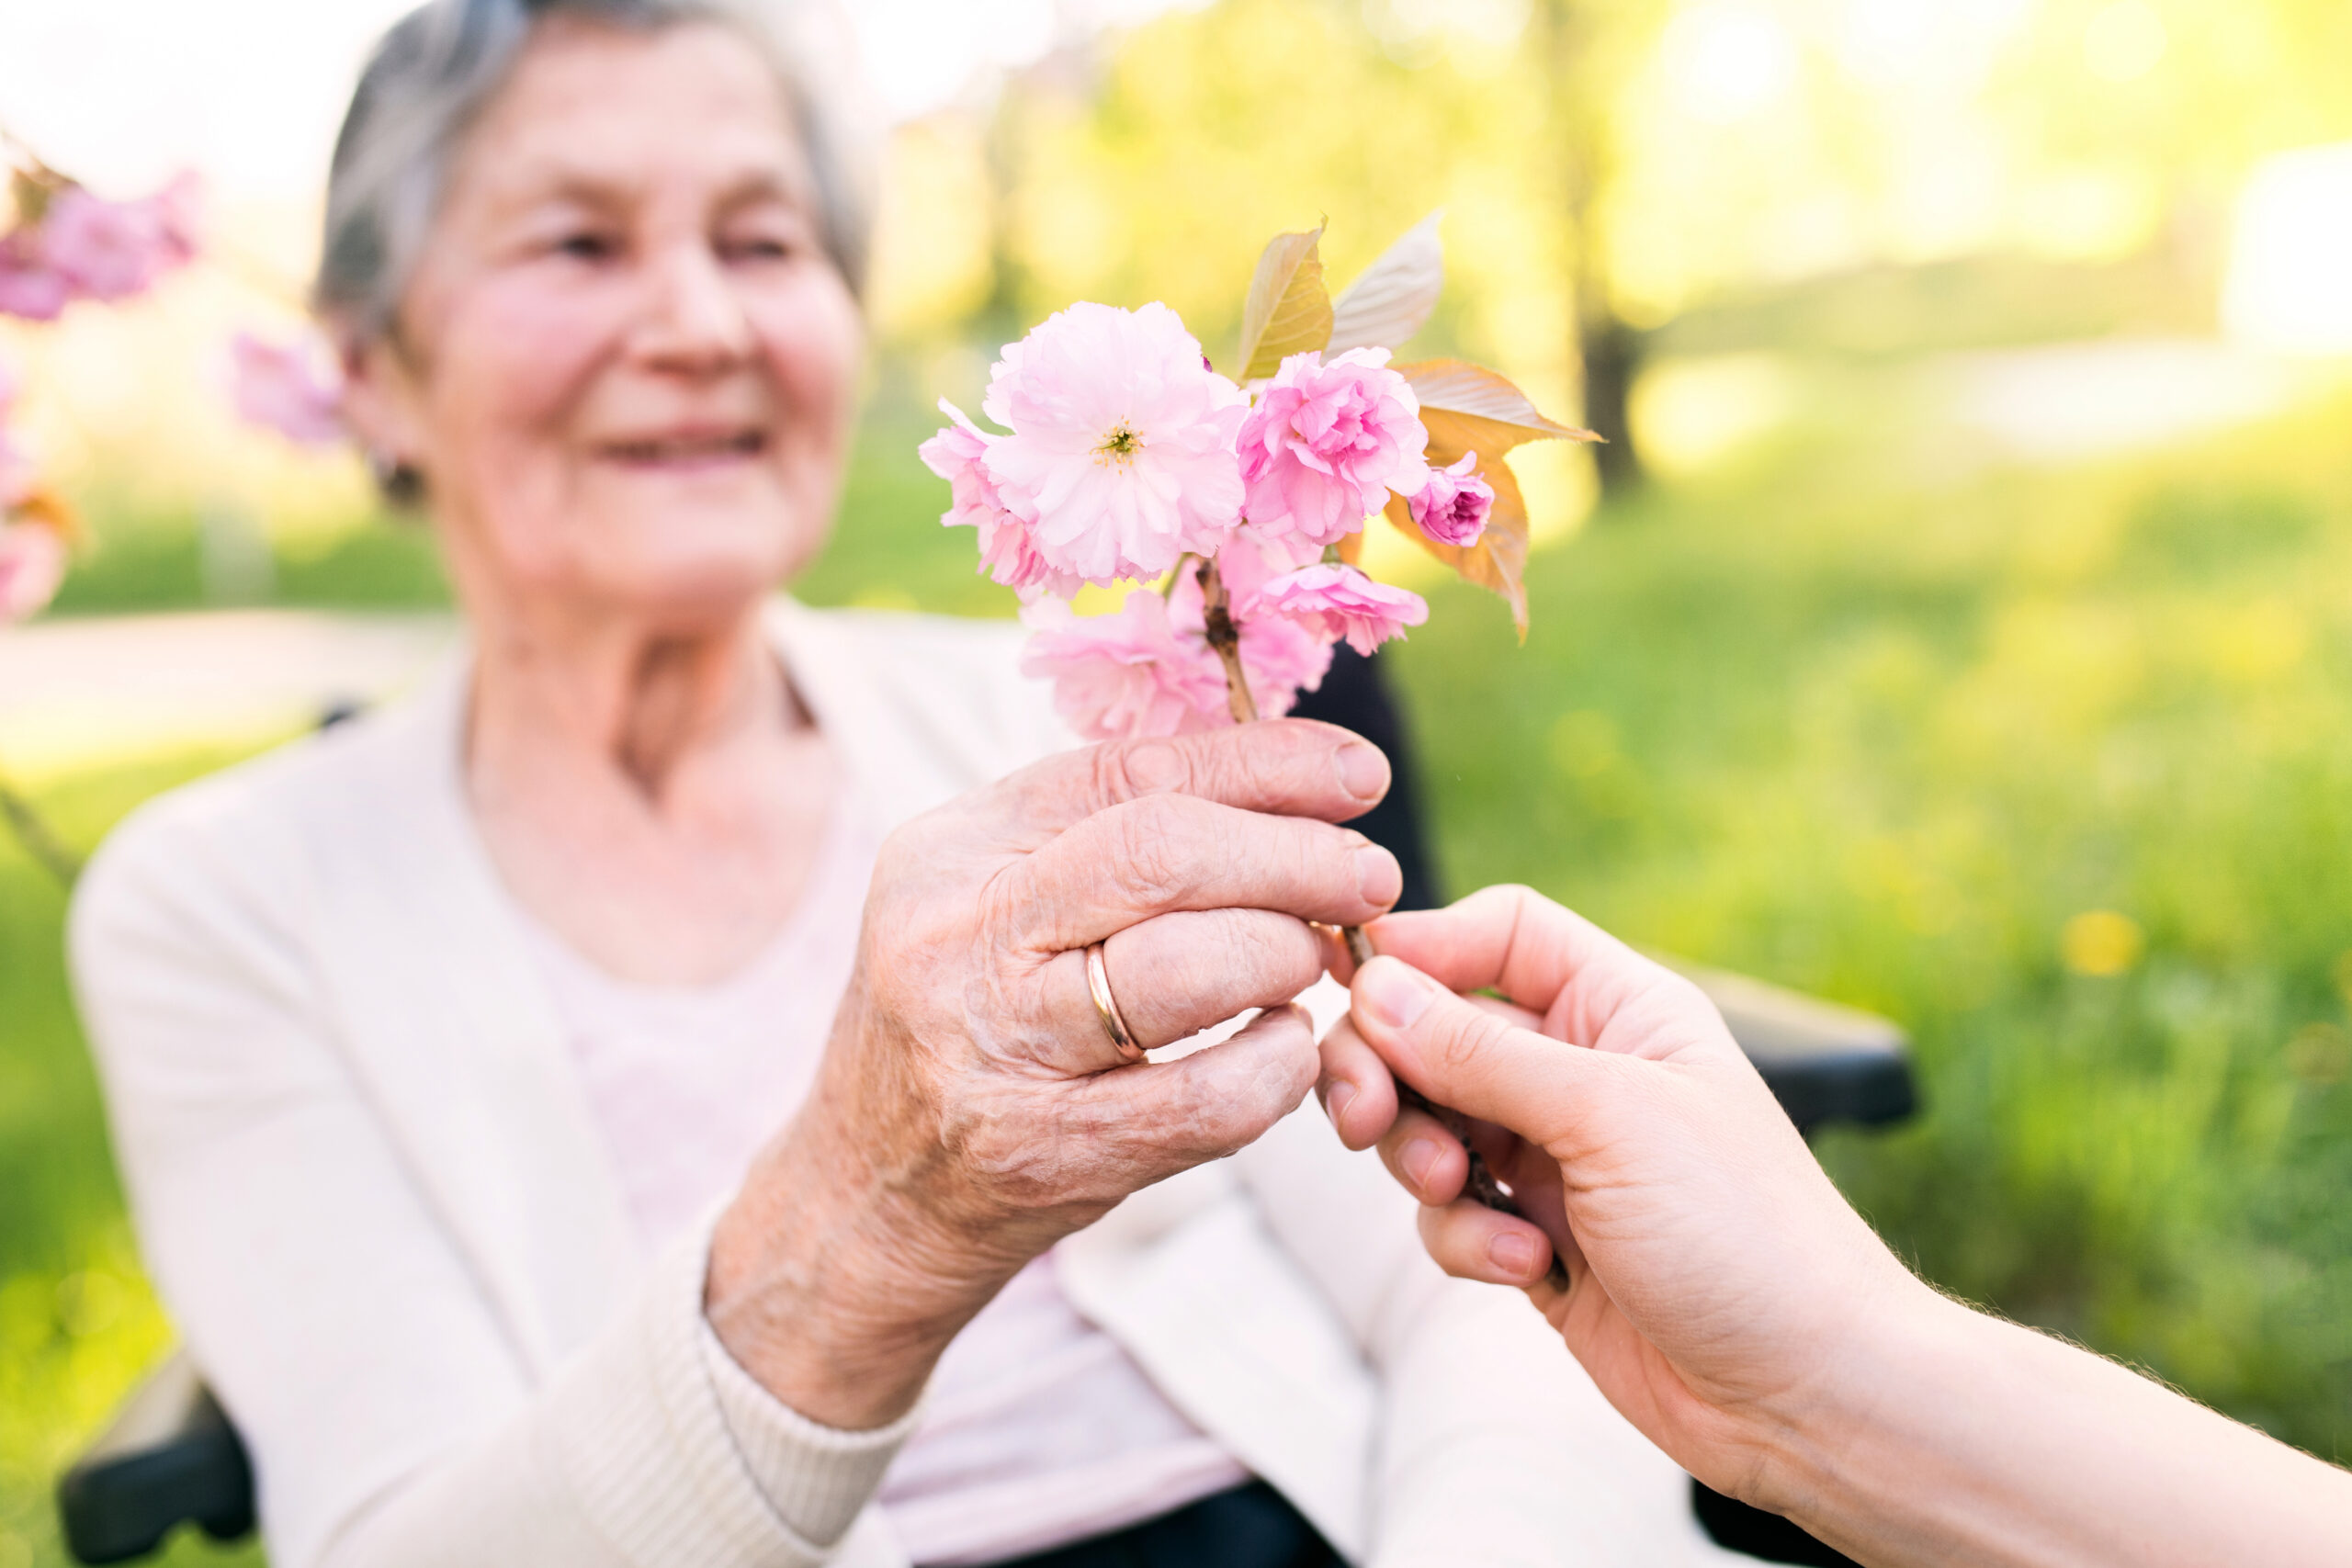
171	1455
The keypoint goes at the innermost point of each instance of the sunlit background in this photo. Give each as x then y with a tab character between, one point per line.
1959	623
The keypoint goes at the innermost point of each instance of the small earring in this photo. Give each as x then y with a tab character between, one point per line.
398	481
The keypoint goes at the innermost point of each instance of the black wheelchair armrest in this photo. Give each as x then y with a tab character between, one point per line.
170	1458
1827	1064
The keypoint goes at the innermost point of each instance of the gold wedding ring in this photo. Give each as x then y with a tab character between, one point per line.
1098	982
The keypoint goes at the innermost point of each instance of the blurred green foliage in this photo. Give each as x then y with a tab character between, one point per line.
78	1323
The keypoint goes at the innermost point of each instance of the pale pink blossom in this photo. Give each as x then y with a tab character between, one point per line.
1453	506
1121	451
1252	558
32	563
1281	660
1126	675
1337	602
291	388
1326	442
1008	554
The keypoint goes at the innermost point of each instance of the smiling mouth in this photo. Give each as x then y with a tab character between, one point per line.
687	449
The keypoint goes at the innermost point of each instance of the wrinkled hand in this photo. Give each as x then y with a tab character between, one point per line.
1714	1272
971	1109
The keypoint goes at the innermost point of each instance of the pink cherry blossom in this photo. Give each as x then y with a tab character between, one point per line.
32	563
1008	554
1121	451
1326	442
112	250
85	247
1337	602
179	216
1127	675
1452	507
29	287
290	387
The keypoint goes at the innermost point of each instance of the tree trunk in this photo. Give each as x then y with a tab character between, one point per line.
1611	353
1588	45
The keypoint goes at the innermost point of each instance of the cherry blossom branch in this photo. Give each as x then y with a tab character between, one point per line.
1226	637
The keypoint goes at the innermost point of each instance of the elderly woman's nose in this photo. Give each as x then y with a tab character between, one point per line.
692	313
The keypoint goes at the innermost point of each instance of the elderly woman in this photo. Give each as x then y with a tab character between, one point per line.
543	1159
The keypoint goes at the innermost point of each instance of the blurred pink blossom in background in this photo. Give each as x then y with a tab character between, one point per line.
85	247
1453	506
30	287
1326	442
1121	451
32	563
1336	602
292	388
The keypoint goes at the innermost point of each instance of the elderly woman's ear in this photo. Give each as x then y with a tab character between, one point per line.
381	409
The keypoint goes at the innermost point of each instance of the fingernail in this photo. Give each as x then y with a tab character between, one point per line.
1417	1159
1337	1099
1363	772
1378	877
1395	993
1513	1254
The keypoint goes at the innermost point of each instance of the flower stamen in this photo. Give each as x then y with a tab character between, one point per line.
1120	446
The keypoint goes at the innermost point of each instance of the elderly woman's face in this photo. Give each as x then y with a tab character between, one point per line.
626	361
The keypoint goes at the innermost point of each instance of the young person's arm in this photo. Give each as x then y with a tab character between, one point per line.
1730	1303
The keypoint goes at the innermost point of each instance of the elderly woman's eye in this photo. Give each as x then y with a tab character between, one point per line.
760	247
587	244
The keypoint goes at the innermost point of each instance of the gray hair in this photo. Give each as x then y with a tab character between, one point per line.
432	74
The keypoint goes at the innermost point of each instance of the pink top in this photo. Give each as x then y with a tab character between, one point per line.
1038	1428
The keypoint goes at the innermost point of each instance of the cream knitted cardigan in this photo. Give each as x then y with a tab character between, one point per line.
371	1192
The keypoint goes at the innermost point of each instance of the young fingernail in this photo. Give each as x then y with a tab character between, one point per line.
1395	993
1337	1099
1418	1159
1513	1254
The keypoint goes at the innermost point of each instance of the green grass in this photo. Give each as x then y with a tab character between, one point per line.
1812	718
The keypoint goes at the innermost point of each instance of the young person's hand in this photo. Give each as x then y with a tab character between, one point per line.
1716	1279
